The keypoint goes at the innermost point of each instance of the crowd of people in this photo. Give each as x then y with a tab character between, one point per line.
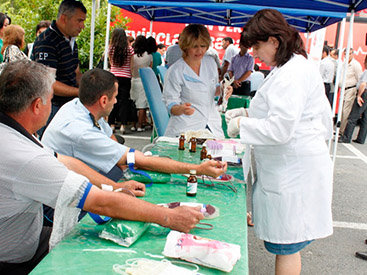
62	124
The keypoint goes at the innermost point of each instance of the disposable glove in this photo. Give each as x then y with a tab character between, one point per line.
233	129
234	113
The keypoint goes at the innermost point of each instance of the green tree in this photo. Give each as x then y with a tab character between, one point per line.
29	13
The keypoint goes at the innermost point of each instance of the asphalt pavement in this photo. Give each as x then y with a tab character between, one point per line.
332	255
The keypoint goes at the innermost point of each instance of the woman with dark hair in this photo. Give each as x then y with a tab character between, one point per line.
141	59
4	22
287	123
152	49
121	60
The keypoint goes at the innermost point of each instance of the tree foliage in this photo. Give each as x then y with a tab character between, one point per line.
29	13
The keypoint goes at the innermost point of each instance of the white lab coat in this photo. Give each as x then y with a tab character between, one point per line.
289	121
181	85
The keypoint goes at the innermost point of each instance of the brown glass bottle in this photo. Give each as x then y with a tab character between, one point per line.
203	153
181	142
192	184
209	156
192	145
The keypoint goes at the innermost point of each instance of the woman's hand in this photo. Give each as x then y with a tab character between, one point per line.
228	92
182	109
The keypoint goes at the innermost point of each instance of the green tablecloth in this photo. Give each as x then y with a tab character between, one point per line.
83	252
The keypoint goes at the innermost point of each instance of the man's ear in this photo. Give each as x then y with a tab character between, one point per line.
36	105
103	100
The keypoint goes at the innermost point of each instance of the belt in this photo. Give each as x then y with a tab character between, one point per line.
350	87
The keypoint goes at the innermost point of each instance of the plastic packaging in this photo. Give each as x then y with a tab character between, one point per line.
207	252
209	211
123	232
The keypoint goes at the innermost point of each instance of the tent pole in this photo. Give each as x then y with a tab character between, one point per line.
91	49
338	69
307	41
105	61
151	28
340	107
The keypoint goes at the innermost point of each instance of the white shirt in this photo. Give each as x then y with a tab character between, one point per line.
181	85
354	72
230	52
29	177
289	120
327	69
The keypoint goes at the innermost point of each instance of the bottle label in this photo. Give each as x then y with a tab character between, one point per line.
192	187
190	148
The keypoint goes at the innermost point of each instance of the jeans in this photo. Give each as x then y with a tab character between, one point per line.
356	113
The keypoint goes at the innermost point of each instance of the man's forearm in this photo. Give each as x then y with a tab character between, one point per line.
61	89
81	168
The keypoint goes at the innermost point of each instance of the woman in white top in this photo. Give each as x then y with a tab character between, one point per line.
141	59
190	86
288	121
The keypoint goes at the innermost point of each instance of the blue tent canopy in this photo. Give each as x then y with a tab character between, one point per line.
304	15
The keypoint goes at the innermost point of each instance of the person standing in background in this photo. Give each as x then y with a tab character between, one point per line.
327	71
358	112
40	28
4	22
162	50
241	67
173	54
121	59
56	48
354	72
13	44
230	51
141	59
153	50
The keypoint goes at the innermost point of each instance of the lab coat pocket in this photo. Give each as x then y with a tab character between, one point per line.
272	172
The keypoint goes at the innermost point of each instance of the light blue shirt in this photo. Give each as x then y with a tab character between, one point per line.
72	133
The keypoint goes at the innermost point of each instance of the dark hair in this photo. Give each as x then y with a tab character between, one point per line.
161	46
94	84
119	45
68	7
326	49
140	45
271	23
151	45
229	39
23	81
365	60
43	24
4	16
256	68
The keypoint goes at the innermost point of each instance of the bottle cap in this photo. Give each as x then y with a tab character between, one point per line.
192	172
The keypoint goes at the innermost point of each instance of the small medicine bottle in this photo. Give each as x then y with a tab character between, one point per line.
181	142
203	153
192	145
192	184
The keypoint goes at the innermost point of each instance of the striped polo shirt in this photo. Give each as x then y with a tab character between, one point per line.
124	70
53	49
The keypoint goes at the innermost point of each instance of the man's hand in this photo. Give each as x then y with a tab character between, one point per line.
212	168
360	100
137	188
237	83
183	218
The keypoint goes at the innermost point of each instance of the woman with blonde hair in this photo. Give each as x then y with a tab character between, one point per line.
13	43
191	84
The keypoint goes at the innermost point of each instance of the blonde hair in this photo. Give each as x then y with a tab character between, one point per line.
13	35
191	34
